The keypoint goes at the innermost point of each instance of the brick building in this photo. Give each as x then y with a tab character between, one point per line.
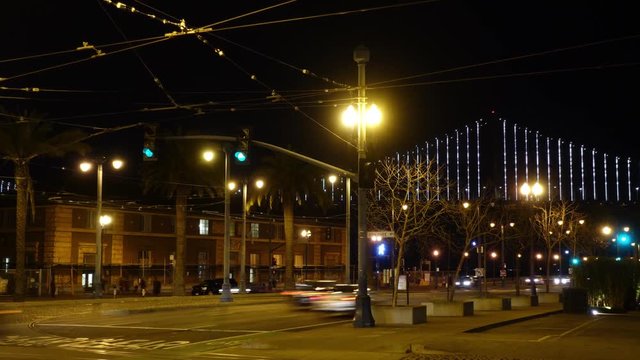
61	246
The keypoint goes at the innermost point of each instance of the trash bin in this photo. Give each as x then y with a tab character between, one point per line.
574	300
156	287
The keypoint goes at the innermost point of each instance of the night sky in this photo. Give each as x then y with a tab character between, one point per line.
569	69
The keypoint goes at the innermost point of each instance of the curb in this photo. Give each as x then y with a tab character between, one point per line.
511	321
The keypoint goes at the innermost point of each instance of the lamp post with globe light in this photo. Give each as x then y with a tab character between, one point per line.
363	316
535	190
86	166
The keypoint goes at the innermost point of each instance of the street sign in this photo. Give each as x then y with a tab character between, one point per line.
402	282
381	234
503	273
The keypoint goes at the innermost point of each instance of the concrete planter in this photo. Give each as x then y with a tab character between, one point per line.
454	308
399	315
481	304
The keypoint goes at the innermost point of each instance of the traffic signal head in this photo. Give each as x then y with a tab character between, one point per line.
241	155
149	146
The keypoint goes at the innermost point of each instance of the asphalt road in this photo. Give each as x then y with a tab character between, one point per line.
276	330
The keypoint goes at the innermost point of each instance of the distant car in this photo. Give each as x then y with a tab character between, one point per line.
465	282
537	279
213	287
561	280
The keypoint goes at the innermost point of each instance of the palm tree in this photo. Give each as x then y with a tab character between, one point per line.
22	139
288	182
178	173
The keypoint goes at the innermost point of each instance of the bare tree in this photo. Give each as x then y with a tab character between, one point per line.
405	200
550	223
470	219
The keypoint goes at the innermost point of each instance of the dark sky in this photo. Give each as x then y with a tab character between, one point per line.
435	66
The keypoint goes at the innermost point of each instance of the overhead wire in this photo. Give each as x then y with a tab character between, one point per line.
58	66
512	58
339	13
490	77
156	80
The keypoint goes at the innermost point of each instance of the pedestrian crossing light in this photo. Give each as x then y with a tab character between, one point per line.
149	146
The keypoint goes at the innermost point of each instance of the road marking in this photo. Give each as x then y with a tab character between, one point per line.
149	328
4	312
579	327
212	342
556	337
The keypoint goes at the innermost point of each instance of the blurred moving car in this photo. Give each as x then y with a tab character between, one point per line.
537	279
214	287
561	280
465	282
341	299
308	290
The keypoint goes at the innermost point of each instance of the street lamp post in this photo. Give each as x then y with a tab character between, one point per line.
226	287
536	191
503	265
84	167
363	316
306	234
242	284
436	253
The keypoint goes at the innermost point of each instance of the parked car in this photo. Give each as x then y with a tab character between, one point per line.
212	286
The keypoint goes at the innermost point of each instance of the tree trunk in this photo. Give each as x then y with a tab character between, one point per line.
548	279
21	174
452	287
396	274
289	283
178	270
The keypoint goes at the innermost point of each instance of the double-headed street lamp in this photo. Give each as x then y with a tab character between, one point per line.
363	316
243	246
535	190
503	265
226	287
85	167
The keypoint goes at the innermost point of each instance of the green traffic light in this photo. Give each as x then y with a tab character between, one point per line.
240	156
147	152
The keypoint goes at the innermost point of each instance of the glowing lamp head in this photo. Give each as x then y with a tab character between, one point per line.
208	155
117	164
350	116
85	166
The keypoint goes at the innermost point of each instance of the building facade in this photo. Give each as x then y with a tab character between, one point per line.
61	249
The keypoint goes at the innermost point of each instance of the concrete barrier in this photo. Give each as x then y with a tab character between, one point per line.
409	315
480	304
548	298
454	308
520	301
